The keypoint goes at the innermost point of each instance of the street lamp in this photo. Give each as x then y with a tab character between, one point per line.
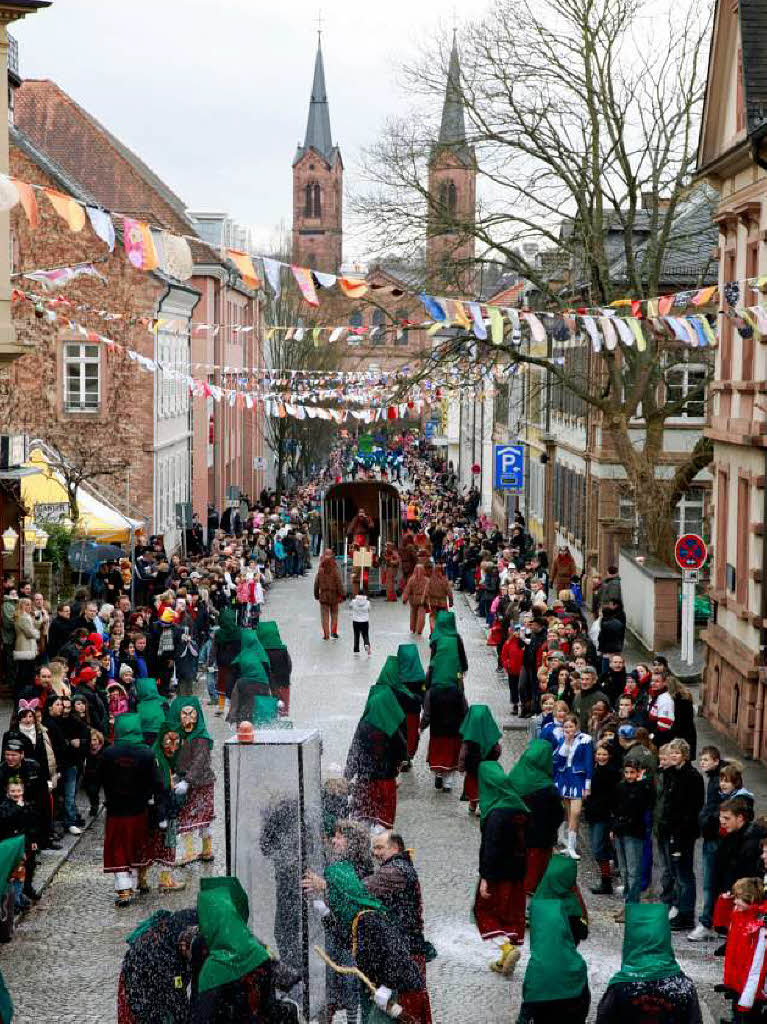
30	534
10	539
41	539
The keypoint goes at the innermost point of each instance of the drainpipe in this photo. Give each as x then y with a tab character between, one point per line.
762	677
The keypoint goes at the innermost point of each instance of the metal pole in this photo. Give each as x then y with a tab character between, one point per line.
690	620
684	616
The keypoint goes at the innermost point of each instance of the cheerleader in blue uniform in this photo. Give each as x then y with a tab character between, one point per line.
573	768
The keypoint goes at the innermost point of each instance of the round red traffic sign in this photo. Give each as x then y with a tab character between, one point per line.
690	551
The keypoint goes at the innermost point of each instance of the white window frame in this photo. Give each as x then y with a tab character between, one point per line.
692	499
687	386
76	353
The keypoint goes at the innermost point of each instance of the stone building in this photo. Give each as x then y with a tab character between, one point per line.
733	156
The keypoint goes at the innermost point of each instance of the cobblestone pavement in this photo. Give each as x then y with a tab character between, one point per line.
63	963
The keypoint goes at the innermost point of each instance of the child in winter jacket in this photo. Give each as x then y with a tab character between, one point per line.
511	659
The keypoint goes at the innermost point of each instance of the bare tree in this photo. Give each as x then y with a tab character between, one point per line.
583	115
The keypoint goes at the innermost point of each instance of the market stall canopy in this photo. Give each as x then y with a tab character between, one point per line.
45	495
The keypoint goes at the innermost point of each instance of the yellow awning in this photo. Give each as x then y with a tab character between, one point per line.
45	497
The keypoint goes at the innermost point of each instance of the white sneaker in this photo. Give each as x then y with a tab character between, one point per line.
447	786
701	934
673	912
74	830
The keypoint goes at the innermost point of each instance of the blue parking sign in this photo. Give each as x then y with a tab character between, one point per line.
509	467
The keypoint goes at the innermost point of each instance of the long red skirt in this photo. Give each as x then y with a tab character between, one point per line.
124	1013
444	752
416	1005
159	851
420	961
376	800
537	860
197	810
282	693
502	914
470	788
412	721
126	842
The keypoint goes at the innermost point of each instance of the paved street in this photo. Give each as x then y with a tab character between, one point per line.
64	960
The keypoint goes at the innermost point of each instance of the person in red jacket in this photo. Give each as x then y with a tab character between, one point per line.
511	659
744	960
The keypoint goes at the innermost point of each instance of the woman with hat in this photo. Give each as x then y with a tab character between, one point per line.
193	764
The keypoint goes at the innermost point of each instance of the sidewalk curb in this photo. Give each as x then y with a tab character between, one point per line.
48	866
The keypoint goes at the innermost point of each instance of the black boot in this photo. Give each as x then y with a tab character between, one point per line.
605	888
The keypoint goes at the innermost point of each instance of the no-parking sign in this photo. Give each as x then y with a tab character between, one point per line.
690	551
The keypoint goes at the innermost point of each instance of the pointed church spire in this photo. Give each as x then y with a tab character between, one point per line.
318	124
452	130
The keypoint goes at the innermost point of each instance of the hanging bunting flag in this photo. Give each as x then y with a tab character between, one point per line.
624	331
102	224
298	334
316	337
611	338
636	330
324	280
335	334
139	247
480	331
67	208
305	282
9	193
705	296
516	330
177	260
593	332
433	308
272	269
352	287
457	313
496	325
244	265
28	200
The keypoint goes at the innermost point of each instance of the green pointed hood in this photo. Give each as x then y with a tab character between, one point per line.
444	626
252	645
559	882
496	790
383	711
228	630
410	668
445	663
233	951
535	768
174	719
647	952
481	728
269	635
146	689
128	730
152	714
346	894
549	979
250	666
389	676
165	764
11	854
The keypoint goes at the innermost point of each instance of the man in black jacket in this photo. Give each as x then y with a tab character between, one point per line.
678	828
740	849
58	631
711	763
634	798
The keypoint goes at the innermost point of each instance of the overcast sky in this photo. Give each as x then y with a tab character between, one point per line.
214	95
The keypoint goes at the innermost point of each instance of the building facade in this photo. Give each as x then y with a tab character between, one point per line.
732	156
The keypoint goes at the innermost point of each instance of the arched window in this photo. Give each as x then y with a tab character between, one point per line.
400	316
378	325
312	200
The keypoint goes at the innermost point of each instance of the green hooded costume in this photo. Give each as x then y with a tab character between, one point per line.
647	952
556	970
346	894
389	676
410	667
496	790
558	883
269	634
250	645
228	631
146	689
174	719
233	951
250	666
383	711
535	768
129	730
152	713
444	626
479	726
11	854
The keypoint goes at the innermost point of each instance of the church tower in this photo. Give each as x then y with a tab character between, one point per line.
318	173
452	194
